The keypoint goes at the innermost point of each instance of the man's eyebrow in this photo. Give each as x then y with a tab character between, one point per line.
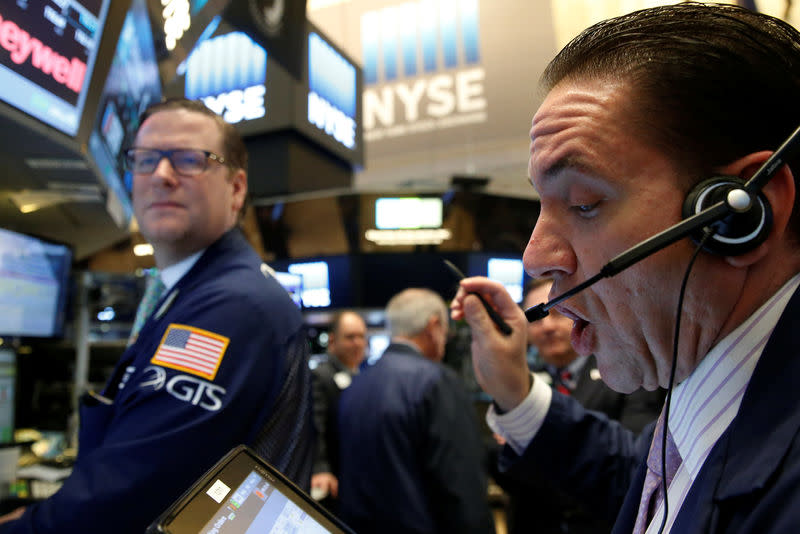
561	164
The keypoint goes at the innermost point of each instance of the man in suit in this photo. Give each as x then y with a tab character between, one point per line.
221	360
347	347
639	111
412	459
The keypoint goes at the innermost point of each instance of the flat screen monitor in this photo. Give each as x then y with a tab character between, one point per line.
509	272
408	212
8	386
316	283
47	55
132	84
34	279
330	99
293	284
504	268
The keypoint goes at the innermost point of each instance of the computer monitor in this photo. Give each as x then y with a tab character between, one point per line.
509	272
34	283
408	212
316	291
504	268
132	84
47	56
293	284
8	386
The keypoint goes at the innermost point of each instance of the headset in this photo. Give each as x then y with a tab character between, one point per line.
736	213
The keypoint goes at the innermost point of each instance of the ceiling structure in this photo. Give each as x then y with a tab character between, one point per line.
49	189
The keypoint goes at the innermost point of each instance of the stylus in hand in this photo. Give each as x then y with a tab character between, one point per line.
501	324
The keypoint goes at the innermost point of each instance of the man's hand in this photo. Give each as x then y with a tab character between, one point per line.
325	483
12	516
499	360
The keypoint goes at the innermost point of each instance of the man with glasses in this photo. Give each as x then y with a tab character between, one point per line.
221	360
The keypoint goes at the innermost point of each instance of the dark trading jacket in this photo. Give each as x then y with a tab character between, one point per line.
167	425
750	482
411	459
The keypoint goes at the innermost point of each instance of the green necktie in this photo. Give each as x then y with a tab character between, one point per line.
152	294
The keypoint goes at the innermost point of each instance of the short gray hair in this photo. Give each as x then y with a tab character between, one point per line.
408	312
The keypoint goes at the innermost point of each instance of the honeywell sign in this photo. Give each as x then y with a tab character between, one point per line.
35	59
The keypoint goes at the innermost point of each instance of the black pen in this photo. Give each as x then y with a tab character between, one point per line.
501	324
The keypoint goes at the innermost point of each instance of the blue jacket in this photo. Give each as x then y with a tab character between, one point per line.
750	482
411	459
168	422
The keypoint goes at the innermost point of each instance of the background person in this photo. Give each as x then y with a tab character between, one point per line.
347	348
414	459
222	360
639	110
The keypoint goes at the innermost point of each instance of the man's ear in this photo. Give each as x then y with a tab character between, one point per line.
239	182
780	193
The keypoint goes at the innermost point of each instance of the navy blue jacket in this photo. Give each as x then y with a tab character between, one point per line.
167	425
411	459
750	482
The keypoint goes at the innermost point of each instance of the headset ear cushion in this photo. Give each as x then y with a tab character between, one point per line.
737	233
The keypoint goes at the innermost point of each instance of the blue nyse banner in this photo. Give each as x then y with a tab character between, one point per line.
229	73
332	91
424	37
422	68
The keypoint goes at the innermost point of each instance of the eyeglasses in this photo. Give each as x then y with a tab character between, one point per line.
185	161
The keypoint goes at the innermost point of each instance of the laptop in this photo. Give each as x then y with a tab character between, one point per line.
243	494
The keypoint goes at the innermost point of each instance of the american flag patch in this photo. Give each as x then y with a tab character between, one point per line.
195	351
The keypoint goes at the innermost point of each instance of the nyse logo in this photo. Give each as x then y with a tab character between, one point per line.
422	67
228	74
331	92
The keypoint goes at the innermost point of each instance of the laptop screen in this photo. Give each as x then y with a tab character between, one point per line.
257	506
243	494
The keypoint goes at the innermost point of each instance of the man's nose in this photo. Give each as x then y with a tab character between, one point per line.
548	253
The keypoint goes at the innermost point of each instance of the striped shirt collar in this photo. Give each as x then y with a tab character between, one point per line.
704	404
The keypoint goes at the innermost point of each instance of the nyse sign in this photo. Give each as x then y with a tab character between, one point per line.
238	105
441	101
422	67
228	73
331	120
331	91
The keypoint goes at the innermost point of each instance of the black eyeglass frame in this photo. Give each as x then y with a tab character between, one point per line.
169	154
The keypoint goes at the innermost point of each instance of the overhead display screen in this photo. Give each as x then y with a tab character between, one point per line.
47	54
133	83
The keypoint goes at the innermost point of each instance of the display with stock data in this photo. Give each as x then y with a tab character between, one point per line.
47	54
34	277
133	83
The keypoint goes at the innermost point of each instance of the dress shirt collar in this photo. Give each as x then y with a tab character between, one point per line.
170	275
704	404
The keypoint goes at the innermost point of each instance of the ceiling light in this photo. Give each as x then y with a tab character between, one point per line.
143	249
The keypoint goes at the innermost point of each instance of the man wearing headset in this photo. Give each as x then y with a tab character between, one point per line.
639	110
